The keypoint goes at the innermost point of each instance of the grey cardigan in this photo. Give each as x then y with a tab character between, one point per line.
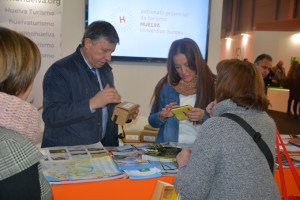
225	162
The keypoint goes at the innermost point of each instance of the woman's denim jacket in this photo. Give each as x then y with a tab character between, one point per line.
168	131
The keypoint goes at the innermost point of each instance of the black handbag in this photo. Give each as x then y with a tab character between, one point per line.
256	136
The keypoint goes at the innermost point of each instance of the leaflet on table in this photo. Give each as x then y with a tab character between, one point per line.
167	168
160	152
81	170
290	148
82	163
124	151
181	145
126	147
143	173
74	152
126	154
295	157
136	168
294	141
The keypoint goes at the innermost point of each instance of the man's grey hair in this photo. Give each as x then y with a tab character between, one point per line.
101	29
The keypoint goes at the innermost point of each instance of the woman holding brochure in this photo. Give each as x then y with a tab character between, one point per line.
225	161
189	81
21	176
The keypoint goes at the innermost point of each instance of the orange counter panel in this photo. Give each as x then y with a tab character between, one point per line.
128	189
114	189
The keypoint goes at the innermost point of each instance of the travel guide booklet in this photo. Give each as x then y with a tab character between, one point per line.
167	168
160	152
136	168
294	141
125	148
295	157
125	151
76	164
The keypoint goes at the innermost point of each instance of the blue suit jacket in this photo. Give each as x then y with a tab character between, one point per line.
68	85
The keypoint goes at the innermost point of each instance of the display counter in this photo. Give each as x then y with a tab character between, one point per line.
142	189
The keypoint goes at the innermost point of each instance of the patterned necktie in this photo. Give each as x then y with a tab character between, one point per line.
94	71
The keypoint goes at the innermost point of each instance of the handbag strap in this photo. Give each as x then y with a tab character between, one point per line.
256	136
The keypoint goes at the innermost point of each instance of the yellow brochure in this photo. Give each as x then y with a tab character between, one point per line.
179	112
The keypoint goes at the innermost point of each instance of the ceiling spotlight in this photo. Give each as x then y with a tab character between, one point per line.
296	38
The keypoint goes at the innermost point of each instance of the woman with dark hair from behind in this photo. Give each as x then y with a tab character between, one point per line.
188	81
287	84
225	162
295	90
21	175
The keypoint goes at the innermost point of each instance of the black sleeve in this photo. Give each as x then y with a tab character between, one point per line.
24	185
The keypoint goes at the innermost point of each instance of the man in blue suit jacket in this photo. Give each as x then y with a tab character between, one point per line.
79	92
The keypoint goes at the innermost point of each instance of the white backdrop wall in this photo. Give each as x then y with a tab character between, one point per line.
135	81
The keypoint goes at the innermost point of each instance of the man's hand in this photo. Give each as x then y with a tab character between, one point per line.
106	96
134	116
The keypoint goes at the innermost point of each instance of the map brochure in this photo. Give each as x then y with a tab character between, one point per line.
74	152
136	168
167	168
294	141
125	148
125	154
76	164
124	151
160	152
295	157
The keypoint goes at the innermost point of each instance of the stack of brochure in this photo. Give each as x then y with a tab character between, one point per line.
160	152
137	168
292	145
128	158
76	164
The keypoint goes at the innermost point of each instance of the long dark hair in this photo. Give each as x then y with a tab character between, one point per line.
204	76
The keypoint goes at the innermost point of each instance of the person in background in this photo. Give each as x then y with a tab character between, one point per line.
295	90
21	176
287	84
188	81
225	162
263	62
79	92
269	78
279	74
